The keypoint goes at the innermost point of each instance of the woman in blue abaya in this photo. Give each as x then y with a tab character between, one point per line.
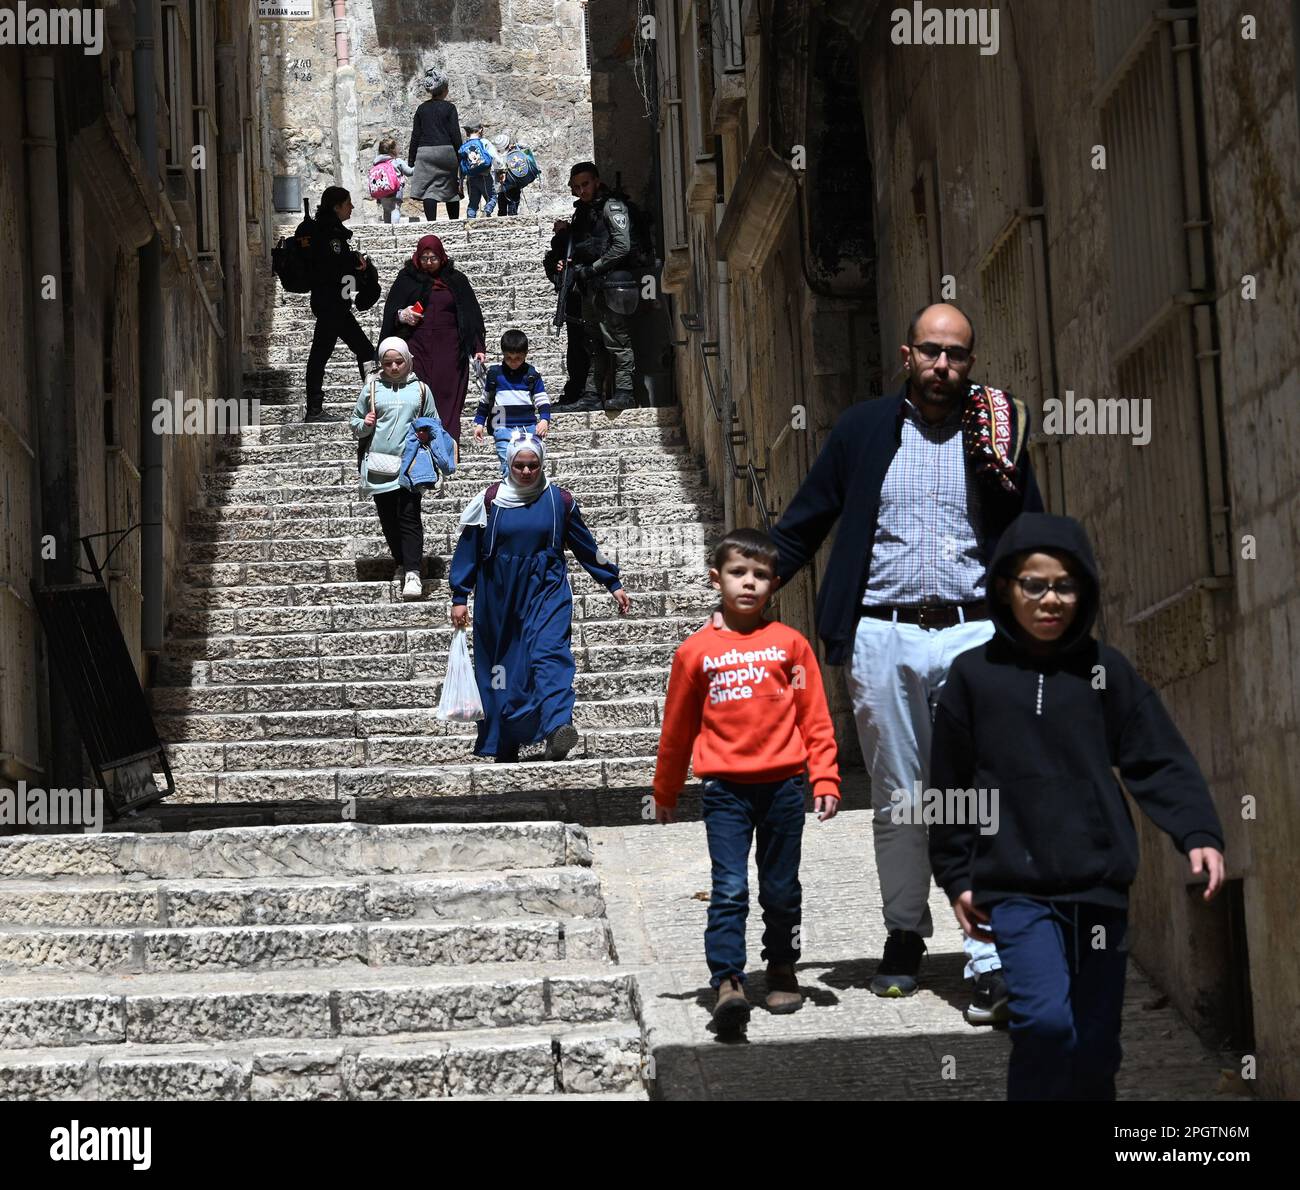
511	555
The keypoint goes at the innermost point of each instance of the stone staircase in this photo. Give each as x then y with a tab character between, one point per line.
293	671
460	950
338	961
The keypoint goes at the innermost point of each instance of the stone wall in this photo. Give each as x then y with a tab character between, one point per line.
1216	635
517	65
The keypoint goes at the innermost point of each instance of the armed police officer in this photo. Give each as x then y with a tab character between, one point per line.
606	262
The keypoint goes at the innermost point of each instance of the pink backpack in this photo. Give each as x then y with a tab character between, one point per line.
383	180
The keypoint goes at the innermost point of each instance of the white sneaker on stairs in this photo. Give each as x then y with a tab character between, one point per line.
413	588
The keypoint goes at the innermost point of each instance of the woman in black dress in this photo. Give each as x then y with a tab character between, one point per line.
445	334
435	139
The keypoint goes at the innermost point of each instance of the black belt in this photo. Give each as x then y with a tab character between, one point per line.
930	615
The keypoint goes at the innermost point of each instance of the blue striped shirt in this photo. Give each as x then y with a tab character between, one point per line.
519	397
927	543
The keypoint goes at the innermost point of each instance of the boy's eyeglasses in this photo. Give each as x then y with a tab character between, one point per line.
932	351
1067	590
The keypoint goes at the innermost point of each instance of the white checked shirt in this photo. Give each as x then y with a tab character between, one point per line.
927	543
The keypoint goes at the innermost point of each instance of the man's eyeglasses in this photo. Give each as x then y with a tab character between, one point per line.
932	351
1067	590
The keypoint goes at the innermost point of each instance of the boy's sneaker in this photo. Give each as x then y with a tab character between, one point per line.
413	588
731	1013
988	1006
561	741
783	993
896	975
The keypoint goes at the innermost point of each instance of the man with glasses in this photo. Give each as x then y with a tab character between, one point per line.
930	477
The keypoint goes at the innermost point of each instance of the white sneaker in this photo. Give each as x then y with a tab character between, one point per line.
413	588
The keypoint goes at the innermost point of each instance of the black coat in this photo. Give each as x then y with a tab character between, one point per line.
847	477
335	260
413	285
436	123
1044	730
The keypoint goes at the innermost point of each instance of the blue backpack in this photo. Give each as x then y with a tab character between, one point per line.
475	157
521	167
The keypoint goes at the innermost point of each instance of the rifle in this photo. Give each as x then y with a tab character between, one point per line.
566	284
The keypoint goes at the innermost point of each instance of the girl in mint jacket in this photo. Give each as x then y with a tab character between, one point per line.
386	407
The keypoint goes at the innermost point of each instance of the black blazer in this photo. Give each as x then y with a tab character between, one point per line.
413	285
847	476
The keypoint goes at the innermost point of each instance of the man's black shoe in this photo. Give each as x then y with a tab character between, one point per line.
587	403
896	975
317	415
622	399
988	1006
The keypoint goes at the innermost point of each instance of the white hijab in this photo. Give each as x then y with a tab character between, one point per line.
393	343
510	494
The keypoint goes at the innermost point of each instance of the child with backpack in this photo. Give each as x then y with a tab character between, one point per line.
514	397
1034	722
387	180
745	697
477	161
516	168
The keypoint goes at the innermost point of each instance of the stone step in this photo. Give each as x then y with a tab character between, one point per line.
186	1008
211	636
341	449
209	525
567	434
543	1060
287	407
643	489
470	478
329	849
171	671
598	718
677	545
258	947
393	752
288	577
276	618
618	774
99	903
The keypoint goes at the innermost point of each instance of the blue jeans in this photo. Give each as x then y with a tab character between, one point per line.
732	813
1064	965
501	436
481	186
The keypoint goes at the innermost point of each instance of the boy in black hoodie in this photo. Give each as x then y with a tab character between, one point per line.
1040	714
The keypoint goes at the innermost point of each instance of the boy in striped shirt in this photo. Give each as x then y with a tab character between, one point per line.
514	397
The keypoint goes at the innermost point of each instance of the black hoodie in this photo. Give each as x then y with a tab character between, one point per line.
1037	728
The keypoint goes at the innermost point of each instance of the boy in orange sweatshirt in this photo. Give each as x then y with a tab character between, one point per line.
746	698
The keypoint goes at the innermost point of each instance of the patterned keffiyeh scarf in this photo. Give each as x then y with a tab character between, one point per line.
988	431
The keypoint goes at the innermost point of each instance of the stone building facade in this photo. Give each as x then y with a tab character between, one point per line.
1111	195
352	74
135	202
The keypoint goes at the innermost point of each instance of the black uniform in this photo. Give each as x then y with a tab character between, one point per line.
577	359
602	241
335	262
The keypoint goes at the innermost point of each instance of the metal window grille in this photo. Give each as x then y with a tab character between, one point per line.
19	740
205	129
672	146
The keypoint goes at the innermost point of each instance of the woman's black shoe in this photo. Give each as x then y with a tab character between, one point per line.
561	741
508	755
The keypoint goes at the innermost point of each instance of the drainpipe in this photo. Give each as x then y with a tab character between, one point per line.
151	352
726	379
51	395
345	104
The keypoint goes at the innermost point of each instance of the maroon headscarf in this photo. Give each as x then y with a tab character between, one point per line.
427	242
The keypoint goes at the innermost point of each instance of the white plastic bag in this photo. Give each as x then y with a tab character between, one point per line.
460	701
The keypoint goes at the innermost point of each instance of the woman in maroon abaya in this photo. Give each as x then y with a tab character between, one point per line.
445	334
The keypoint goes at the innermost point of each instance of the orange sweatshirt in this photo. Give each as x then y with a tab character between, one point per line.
752	707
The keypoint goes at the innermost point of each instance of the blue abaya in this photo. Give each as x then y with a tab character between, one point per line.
523	615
